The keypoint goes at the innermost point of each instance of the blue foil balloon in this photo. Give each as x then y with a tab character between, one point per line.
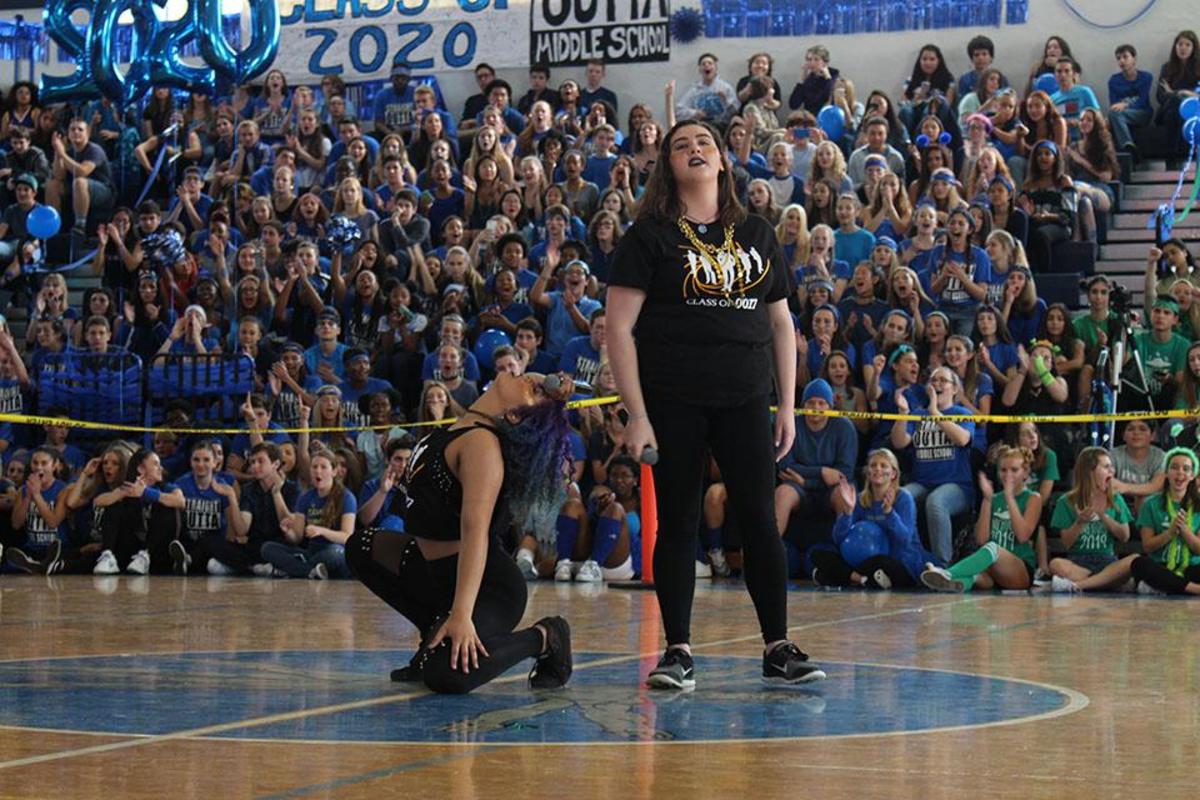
245	66
1046	83
78	85
832	121
43	222
486	345
1190	108
865	540
1191	131
165	66
129	87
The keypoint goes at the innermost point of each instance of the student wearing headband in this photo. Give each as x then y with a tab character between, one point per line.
958	273
1168	524
1052	202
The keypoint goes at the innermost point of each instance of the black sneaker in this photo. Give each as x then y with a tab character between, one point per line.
553	668
675	670
180	559
414	672
52	562
19	559
787	664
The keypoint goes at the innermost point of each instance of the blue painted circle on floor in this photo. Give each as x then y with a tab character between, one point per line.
161	694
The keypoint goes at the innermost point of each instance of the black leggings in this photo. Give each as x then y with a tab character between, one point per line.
741	442
1149	571
391	566
1042	239
835	570
126	530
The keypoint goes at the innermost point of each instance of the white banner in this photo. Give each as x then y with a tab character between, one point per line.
361	39
573	32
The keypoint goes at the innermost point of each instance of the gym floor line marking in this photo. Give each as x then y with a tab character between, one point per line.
288	716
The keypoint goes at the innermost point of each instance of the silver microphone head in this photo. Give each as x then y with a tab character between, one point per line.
552	384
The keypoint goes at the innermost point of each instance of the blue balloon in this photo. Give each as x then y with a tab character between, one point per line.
123	88
832	121
43	222
165	66
865	540
1191	131
1190	108
486	345
1047	83
79	85
239	67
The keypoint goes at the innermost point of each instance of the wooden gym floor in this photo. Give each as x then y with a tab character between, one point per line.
229	688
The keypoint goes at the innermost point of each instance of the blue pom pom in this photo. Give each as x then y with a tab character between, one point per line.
341	232
687	24
164	248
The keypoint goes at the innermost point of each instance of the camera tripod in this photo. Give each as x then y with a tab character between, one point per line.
1110	380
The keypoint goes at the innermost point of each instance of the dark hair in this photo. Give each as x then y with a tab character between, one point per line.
1002	332
703	56
270	448
135	462
499	83
510	238
1058	172
542	68
1098	145
941	79
485	65
981	43
1125	48
660	202
531	324
890	116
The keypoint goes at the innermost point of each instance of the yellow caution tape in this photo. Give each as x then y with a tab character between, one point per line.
1124	416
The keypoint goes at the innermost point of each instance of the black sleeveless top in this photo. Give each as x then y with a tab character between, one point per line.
433	496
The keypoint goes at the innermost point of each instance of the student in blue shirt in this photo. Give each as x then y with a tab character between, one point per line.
567	309
851	243
395	104
941	478
317	530
43	519
958	272
581	357
1072	98
1129	95
326	358
205	511
381	500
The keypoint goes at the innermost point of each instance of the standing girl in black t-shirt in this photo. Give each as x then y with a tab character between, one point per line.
706	286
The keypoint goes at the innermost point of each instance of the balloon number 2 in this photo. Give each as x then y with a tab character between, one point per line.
155	57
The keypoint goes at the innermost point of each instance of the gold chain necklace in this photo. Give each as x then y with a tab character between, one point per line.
711	249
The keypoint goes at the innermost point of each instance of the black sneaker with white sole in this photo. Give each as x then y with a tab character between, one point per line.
48	564
553	668
787	664
180	560
675	670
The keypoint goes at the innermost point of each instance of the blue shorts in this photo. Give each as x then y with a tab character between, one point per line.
1092	562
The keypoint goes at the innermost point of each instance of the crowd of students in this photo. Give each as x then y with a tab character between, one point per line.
380	269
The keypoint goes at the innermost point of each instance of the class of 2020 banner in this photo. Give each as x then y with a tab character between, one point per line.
573	32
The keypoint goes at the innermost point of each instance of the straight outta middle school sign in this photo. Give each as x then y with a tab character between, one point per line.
571	32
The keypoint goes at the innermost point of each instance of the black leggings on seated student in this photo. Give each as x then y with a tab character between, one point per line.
391	566
1154	573
835	570
127	529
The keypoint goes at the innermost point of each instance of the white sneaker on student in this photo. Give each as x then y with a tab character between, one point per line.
589	572
264	570
106	564
703	570
140	563
216	567
563	571
1145	588
526	565
320	572
1061	585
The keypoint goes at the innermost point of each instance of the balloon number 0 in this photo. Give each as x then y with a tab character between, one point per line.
155	59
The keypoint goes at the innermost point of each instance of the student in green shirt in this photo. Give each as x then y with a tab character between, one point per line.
1043	474
1188	396
1094	329
1089	518
1168	524
1163	352
1004	530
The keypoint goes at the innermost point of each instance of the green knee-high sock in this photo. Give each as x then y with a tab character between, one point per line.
977	562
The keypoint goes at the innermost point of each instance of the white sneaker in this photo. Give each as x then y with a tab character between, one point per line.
703	570
589	572
264	570
320	572
526	565
219	568
106	564
720	567
1145	588
140	563
1063	585
563	570
937	579
881	579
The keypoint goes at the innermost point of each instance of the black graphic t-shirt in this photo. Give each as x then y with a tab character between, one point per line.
704	333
